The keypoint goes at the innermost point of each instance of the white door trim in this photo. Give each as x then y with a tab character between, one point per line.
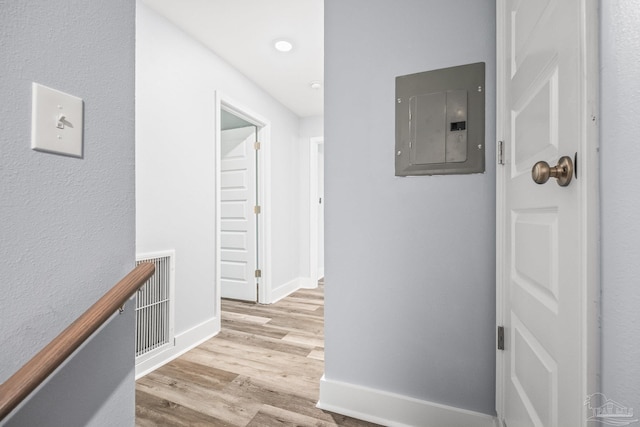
591	196
500	202
264	192
589	199
313	209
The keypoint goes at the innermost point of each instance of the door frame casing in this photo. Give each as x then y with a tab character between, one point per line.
314	176
589	202
222	101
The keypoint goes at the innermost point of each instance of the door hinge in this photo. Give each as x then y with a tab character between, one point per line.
501	152
258	273
256	210
256	145
500	337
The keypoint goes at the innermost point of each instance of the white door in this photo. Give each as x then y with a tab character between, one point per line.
238	241
546	233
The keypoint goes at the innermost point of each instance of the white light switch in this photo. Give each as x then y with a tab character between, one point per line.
56	122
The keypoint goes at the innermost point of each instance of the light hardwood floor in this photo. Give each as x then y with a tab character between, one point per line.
262	369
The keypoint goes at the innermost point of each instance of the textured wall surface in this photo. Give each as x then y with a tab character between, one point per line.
67	229
620	201
410	262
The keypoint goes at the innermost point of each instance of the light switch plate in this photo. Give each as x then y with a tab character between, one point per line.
56	121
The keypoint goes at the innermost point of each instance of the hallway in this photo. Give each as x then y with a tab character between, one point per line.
262	369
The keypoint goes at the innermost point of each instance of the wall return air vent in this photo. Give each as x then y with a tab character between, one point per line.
154	307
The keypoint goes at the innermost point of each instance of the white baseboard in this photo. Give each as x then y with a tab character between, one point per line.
182	343
308	283
394	410
286	289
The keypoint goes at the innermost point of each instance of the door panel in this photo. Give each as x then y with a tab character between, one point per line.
534	375
538	275
533	124
237	222
541	111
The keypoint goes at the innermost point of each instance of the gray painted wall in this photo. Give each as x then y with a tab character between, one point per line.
68	224
67	229
410	262
620	200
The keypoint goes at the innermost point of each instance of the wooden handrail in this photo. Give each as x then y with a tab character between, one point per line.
35	371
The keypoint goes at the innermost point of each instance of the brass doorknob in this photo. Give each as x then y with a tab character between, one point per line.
563	171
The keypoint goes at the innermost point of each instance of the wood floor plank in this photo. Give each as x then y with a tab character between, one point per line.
288	305
303	339
252	369
299	371
252	328
269	416
281	316
317	354
154	411
279	332
246	317
263	369
284	308
265	342
314	327
307	296
278	359
287	401
272	416
197	373
217	404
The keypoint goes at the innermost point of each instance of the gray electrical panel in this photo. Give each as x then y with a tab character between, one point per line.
440	121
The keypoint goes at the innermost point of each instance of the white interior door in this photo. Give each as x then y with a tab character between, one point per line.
238	234
546	371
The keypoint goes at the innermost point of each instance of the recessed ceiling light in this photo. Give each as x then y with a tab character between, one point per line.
315	84
283	45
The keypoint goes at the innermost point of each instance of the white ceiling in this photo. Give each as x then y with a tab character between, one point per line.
242	32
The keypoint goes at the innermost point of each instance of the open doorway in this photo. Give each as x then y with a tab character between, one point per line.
241	199
316	209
